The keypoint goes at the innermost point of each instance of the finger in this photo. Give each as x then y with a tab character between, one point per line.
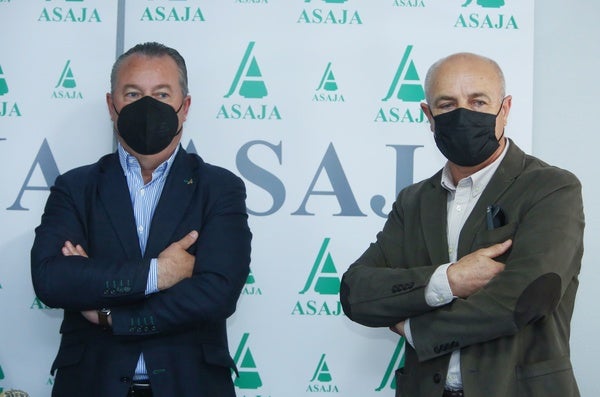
189	239
68	249
80	250
497	249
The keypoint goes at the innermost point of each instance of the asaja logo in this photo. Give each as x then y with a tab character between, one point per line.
409	3
322	280
14	393
66	86
396	362
172	14
248	83
327	91
3	84
328	15
7	108
252	1
250	288
248	378
69	13
322	381
406	86
486	19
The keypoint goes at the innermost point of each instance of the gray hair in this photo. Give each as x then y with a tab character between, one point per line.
152	49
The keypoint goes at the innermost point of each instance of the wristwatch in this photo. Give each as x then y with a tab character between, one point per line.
103	318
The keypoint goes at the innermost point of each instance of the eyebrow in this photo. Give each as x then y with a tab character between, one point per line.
137	87
453	98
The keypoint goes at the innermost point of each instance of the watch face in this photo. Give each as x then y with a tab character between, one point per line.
103	317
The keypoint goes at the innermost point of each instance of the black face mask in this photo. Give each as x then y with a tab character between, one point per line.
466	137
147	125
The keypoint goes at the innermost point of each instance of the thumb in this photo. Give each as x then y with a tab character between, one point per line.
189	239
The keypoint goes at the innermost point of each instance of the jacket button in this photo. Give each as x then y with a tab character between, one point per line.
437	378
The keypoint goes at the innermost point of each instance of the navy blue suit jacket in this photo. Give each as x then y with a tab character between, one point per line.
180	330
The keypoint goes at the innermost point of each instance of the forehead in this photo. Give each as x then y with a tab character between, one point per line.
465	77
145	70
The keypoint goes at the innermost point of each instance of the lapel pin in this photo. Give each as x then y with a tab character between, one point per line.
189	181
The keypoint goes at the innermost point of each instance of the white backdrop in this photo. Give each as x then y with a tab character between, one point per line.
314	103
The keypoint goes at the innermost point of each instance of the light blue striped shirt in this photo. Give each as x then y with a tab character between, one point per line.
144	198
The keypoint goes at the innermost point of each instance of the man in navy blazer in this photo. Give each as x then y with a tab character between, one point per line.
146	250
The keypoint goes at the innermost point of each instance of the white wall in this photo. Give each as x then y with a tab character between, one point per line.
565	102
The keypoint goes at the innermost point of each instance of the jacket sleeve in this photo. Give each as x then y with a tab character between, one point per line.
75	282
221	270
387	283
541	268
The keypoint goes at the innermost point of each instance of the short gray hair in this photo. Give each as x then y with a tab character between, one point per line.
152	49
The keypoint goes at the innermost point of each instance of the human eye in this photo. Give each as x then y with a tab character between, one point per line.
445	106
163	96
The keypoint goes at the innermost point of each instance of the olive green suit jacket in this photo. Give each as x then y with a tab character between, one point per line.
514	333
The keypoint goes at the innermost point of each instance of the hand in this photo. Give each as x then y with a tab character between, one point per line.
472	272
91	316
73	250
175	263
398	328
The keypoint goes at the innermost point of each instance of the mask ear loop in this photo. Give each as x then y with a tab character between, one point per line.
499	110
177	112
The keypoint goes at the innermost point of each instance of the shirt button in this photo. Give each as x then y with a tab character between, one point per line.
458	208
140	228
142	192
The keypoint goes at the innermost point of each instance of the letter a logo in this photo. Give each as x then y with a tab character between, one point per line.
250	279
248	77
486	3
249	377
328	80
328	282
1	377
411	89
3	85
322	373
66	80
397	361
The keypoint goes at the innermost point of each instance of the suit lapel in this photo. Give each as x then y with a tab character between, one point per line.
179	188
433	210
114	195
507	172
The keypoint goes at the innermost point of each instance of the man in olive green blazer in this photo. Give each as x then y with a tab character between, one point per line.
476	266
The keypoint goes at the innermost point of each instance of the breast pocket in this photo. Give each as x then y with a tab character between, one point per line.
485	238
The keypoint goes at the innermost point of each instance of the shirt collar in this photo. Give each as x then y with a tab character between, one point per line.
130	164
480	179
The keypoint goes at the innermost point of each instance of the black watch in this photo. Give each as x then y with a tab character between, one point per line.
103	318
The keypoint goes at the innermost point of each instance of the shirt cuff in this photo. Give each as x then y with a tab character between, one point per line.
437	291
152	283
